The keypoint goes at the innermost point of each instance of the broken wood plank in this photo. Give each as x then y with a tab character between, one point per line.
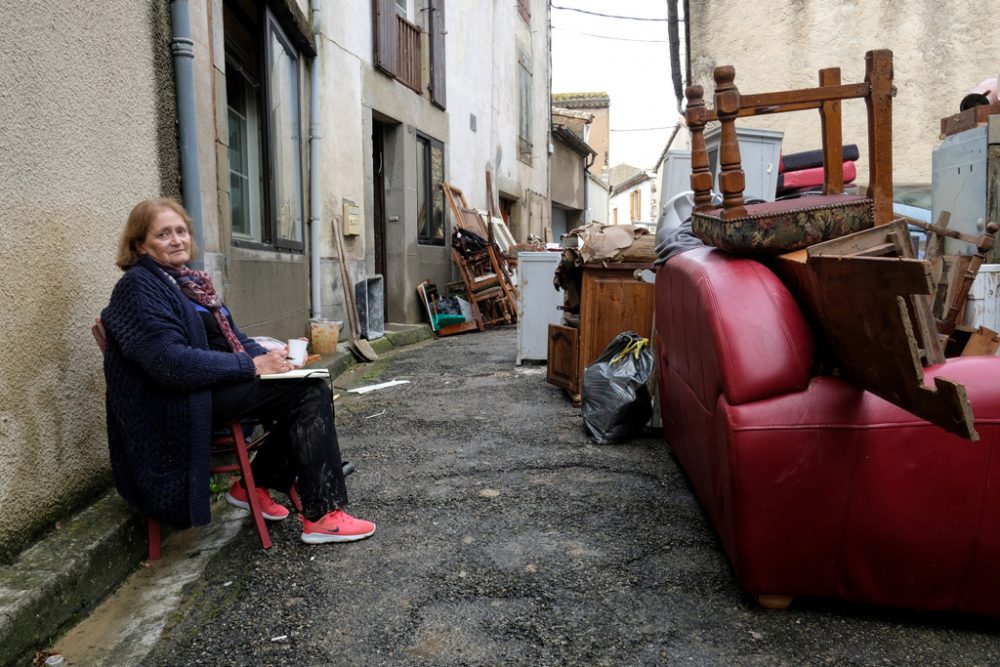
983	342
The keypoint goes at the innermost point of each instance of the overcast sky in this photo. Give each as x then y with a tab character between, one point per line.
635	74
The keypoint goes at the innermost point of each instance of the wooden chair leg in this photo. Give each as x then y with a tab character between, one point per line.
240	445
774	601
153	538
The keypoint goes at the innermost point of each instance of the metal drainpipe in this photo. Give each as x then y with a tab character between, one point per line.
182	46
315	281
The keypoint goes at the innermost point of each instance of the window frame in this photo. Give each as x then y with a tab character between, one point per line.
272	28
431	191
248	56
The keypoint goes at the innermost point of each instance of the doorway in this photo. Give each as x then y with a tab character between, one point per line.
378	181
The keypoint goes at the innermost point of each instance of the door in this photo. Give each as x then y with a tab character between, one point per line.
378	180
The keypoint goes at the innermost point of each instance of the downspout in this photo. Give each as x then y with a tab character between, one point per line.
315	282
673	30
182	46
588	161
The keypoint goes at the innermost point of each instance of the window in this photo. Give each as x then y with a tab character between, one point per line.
635	205
262	96
430	197
524	145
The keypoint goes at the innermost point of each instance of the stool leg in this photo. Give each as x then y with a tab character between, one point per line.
153	538
240	445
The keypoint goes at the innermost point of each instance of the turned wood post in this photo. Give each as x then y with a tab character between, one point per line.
701	176
731	179
878	76
833	140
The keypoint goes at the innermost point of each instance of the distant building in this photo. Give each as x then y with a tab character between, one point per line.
632	191
597	105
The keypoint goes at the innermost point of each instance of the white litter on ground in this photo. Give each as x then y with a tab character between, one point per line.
374	387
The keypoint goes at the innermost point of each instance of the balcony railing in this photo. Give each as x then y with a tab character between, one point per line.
408	42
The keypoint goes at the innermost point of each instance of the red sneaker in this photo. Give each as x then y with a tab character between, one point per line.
336	526
272	511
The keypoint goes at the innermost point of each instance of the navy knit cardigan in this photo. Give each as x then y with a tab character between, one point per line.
159	372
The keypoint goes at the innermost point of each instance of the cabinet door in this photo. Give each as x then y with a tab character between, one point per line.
563	354
612	301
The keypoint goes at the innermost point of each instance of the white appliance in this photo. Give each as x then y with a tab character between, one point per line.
760	154
538	303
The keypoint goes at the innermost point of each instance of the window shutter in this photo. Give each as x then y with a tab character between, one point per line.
524	9
384	31
437	53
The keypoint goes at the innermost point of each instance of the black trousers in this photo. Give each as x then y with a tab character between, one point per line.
302	448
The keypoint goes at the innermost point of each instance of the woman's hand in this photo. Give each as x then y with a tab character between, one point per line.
272	362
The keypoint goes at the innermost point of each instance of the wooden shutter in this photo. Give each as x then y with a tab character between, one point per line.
524	9
384	31
437	53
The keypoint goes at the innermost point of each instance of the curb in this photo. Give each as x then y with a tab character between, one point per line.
59	580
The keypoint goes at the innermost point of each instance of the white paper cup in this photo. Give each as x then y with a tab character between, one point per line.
297	350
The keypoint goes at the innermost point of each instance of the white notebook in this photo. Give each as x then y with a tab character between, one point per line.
297	374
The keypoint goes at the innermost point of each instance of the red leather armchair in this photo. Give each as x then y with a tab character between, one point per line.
817	487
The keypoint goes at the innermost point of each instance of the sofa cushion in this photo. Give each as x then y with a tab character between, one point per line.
785	225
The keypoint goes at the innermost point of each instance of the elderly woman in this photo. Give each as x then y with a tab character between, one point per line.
176	363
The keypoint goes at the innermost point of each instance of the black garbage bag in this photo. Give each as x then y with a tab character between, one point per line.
616	402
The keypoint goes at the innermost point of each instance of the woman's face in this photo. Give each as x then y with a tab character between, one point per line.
167	240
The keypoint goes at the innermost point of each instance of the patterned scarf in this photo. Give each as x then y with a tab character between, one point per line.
198	286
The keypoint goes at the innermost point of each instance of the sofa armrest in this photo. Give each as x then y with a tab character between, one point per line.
728	324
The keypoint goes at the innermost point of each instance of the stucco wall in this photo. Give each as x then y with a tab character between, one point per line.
80	125
598	200
568	188
599	139
487	75
941	49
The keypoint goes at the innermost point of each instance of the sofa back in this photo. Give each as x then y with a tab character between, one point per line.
727	324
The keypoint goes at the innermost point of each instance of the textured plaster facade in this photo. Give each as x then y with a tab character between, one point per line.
941	49
483	120
82	138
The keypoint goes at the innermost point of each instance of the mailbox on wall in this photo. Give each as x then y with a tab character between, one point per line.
352	218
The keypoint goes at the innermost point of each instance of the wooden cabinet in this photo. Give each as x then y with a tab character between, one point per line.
611	301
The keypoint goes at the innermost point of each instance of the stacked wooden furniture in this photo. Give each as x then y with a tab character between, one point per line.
612	300
485	274
862	287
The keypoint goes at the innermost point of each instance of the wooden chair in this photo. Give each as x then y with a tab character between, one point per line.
228	441
776	227
485	273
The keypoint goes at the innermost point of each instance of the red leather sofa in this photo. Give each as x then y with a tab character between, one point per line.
817	487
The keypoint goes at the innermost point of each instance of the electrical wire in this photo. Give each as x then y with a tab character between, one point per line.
643	129
620	39
607	16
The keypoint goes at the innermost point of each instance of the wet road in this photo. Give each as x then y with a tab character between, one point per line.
506	537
